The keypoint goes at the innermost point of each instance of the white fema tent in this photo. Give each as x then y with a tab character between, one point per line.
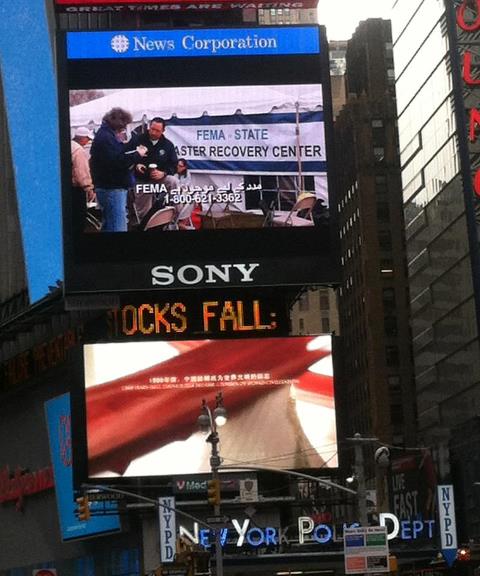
193	102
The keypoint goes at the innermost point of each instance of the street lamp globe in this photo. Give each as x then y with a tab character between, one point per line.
203	422
382	457
220	416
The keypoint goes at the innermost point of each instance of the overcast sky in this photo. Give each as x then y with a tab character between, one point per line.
341	17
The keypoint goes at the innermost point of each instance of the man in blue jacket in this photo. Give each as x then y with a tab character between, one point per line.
111	162
157	167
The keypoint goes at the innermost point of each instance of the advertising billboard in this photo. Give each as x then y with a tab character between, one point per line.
142	401
57	412
26	70
412	485
195	158
115	6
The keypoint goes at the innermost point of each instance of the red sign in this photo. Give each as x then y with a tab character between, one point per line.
14	486
468	21
156	5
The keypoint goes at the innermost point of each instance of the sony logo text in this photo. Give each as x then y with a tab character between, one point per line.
190	274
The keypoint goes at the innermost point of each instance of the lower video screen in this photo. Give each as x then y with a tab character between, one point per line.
143	400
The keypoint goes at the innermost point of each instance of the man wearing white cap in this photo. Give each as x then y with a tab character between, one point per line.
83	190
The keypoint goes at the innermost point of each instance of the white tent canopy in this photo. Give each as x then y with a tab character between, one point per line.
193	102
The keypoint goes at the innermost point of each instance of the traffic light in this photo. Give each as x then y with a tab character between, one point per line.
463	554
393	562
201	562
214	492
83	508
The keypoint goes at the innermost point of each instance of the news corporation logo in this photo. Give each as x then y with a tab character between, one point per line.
119	43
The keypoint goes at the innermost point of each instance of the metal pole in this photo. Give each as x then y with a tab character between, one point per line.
297	142
321	481
360	474
215	462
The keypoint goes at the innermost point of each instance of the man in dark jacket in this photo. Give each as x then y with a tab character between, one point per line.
111	161
157	167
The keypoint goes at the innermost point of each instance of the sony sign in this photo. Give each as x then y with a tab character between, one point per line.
191	274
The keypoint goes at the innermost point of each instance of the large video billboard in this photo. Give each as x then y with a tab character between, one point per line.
143	399
191	148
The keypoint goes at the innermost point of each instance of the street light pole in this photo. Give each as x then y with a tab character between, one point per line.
358	441
215	462
360	476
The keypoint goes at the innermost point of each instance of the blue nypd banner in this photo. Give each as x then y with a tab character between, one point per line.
57	411
193	43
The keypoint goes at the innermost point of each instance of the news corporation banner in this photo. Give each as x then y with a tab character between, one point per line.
196	43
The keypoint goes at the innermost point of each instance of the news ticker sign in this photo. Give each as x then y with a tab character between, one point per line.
149	6
151	318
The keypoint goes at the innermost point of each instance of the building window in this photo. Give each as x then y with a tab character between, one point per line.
379	153
377	123
386	264
383	212
394	383
396	413
324	303
390	326
392	355
388	296
325	325
301	325
303	302
385	240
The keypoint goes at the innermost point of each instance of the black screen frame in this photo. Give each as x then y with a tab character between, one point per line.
110	262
